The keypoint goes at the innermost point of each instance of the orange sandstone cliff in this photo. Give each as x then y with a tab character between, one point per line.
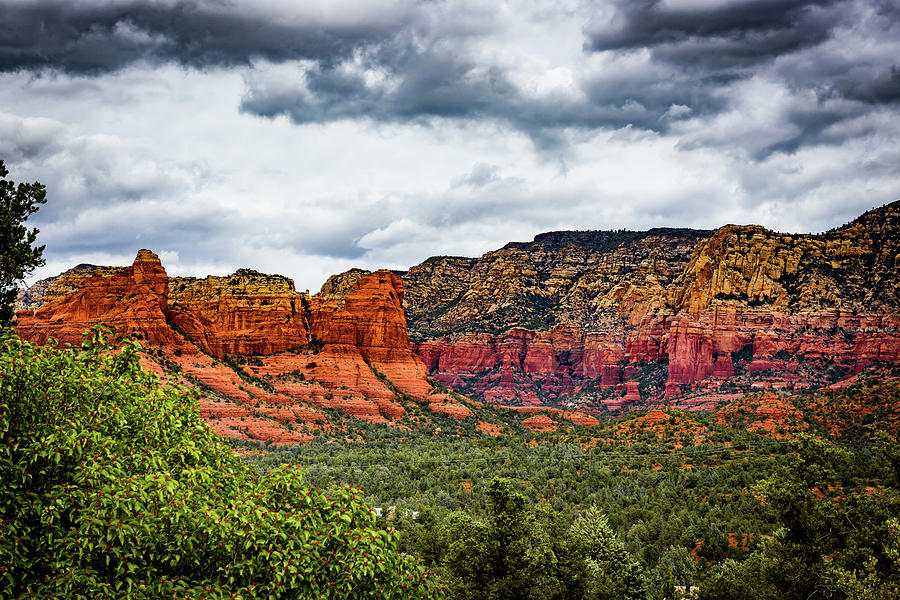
133	299
267	359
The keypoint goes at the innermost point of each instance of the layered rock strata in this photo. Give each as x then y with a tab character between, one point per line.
593	320
267	358
604	319
133	299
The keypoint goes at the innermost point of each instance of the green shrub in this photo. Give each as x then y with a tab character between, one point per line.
112	486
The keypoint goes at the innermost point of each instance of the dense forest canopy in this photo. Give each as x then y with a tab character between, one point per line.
116	487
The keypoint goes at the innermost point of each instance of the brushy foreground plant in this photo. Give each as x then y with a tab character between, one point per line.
113	487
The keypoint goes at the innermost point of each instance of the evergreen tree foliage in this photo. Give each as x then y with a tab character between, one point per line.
512	555
836	542
676	568
18	255
500	559
612	572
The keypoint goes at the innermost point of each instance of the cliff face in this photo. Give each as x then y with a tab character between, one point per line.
266	358
602	319
61	285
589	320
243	313
132	299
851	269
591	279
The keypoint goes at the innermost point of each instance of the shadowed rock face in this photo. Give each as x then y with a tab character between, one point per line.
583	317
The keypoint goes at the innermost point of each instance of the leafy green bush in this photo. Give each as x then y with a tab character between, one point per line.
113	487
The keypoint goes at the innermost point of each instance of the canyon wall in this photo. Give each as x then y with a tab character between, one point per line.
592	320
597	320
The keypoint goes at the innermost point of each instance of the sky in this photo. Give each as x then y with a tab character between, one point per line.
306	138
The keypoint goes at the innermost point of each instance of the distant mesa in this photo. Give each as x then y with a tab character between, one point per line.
587	322
608	320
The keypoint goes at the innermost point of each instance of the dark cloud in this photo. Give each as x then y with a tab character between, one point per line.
731	34
420	62
883	87
837	58
432	74
92	38
444	83
437	81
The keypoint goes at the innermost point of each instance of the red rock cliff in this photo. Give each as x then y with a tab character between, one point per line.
133	299
333	350
369	321
647	315
243	313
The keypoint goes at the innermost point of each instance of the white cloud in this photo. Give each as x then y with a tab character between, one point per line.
162	156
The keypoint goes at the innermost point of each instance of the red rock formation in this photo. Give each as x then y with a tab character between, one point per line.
697	347
243	313
359	361
767	414
603	354
370	322
448	406
681	317
334	378
491	429
134	300
700	346
540	423
620	308
577	418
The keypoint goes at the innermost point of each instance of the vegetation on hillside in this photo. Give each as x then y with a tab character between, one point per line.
114	487
703	500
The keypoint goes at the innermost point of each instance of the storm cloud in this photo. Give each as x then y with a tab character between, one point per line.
97	37
406	61
317	136
735	34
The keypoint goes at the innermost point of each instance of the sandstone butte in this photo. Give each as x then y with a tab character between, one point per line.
601	320
594	321
267	358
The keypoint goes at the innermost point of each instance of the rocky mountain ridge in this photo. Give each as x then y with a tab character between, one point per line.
63	284
586	320
598	320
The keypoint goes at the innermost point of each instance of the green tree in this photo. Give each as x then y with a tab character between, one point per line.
869	566
612	572
503	559
676	567
836	542
18	255
114	487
